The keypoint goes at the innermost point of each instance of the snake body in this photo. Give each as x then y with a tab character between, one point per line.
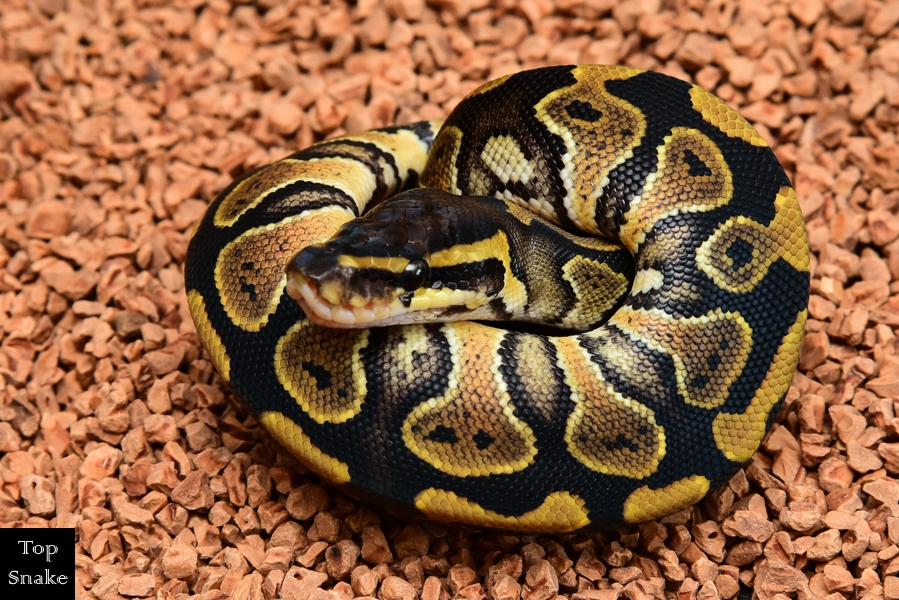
637	418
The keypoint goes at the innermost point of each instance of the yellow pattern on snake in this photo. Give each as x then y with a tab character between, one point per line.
577	303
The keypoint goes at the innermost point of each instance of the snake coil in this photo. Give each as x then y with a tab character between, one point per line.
465	422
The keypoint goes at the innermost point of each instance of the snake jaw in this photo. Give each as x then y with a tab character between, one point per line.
322	312
335	295
324	304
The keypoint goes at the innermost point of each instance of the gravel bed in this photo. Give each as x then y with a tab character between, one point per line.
120	120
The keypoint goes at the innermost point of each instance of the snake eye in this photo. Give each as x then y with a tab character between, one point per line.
415	275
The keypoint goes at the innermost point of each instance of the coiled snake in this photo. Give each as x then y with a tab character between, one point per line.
670	391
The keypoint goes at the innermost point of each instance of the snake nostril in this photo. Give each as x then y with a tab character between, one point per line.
300	261
311	262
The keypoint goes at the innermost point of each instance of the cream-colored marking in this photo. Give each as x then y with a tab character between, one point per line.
415	341
646	504
476	396
295	345
526	216
394	264
442	167
431	299
646	280
409	151
686	339
738	435
514	294
271	247
495	83
254	189
196	227
597	288
295	439
664	196
346	174
722	116
532	207
784	237
585	174
435	125
789	225
628	361
603	414
505	158
210	337
535	367
560	512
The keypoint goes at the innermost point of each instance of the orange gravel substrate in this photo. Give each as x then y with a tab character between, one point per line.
121	120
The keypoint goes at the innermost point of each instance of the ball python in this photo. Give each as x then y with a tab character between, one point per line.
536	199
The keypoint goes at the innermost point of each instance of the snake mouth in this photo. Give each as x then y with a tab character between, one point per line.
335	295
347	316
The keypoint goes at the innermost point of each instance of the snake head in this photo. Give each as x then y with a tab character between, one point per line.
398	264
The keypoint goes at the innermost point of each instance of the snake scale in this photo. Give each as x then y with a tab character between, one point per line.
645	396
